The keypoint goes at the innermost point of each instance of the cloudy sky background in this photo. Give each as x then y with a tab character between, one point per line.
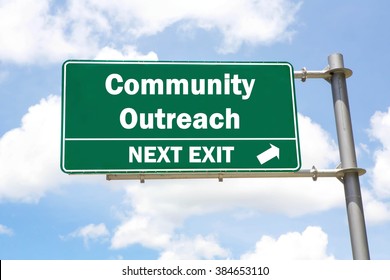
45	214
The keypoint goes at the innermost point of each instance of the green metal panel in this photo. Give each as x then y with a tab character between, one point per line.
196	116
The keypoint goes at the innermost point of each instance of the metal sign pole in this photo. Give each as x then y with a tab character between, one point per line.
350	180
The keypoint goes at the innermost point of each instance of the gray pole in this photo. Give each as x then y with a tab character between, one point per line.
357	227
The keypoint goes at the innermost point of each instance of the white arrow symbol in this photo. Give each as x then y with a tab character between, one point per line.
268	154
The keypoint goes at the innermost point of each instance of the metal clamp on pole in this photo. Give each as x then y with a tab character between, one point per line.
326	73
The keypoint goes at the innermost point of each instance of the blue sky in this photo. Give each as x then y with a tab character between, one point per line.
46	214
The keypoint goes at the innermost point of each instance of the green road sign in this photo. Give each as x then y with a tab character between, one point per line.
147	117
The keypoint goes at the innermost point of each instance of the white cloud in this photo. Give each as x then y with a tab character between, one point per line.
375	211
148	231
128	53
158	234
239	21
29	155
30	33
311	244
362	147
6	230
317	147
380	130
41	31
159	209
200	247
90	232
380	127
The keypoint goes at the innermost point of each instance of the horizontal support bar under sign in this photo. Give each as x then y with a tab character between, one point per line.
304	173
